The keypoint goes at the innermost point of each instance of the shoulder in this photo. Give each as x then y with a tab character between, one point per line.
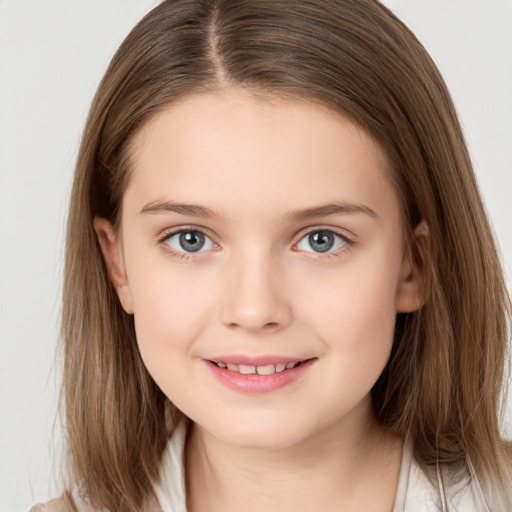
77	502
61	504
441	489
437	489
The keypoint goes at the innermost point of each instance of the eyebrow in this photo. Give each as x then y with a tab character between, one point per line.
338	208
194	210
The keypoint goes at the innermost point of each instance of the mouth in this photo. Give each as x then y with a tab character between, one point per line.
259	375
267	369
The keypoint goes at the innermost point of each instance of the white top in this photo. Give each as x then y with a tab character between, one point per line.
415	492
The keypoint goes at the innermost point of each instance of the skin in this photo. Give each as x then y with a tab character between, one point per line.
259	288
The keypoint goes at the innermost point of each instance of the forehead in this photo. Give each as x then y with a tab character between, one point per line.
232	148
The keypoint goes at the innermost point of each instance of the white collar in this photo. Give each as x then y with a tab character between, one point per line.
170	492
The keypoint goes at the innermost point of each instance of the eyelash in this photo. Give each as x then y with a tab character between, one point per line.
186	256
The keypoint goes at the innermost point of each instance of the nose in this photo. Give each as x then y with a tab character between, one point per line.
255	298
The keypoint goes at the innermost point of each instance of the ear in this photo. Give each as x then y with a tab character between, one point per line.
113	256
410	294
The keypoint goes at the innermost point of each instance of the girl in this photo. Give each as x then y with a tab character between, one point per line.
281	289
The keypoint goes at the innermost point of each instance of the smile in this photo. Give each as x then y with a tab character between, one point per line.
258	375
267	369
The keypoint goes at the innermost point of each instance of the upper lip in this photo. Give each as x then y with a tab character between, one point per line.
247	360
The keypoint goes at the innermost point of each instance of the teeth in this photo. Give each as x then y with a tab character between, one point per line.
246	370
268	369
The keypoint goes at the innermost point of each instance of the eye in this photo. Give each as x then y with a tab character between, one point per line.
189	240
322	240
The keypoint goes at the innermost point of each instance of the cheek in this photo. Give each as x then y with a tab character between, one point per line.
170	314
171	307
353	312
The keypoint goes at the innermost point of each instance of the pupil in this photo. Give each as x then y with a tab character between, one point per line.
191	241
321	241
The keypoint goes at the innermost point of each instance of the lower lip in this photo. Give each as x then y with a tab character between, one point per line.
258	384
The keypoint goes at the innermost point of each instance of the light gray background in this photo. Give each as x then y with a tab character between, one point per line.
52	55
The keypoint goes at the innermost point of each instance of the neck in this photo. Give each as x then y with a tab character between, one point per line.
349	465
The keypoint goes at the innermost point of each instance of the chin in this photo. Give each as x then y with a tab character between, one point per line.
258	435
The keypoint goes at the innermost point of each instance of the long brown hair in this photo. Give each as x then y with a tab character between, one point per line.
442	383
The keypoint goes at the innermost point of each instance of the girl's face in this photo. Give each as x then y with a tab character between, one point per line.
261	253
